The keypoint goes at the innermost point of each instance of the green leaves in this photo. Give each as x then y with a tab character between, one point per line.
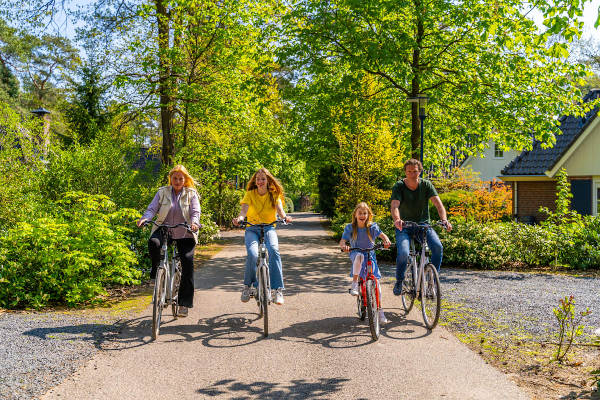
69	257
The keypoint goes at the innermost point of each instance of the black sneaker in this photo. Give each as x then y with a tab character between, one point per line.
397	288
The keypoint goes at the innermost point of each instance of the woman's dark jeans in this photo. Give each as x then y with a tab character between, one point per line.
185	248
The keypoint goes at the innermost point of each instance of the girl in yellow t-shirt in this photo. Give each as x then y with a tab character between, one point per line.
261	203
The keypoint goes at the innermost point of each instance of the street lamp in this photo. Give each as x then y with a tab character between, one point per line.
421	100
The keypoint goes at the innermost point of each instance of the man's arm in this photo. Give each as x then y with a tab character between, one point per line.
437	202
396	214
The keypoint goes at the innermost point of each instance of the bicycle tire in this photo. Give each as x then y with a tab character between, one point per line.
264	300
175	288
408	289
431	300
362	313
157	307
372	310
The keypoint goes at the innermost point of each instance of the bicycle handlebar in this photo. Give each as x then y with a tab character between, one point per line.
378	246
245	223
410	224
184	224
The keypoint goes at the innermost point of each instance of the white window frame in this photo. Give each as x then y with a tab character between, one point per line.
498	150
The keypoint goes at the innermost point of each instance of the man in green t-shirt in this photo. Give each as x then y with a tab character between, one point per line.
410	202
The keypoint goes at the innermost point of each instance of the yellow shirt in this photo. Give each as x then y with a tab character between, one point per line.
260	210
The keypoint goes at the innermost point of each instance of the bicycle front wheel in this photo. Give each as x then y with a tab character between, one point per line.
372	310
431	300
362	313
175	288
264	298
159	301
408	289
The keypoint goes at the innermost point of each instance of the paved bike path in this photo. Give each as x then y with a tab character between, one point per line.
317	348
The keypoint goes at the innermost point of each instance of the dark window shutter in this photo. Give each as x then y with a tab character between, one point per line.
582	196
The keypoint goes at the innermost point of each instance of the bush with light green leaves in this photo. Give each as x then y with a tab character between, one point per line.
70	256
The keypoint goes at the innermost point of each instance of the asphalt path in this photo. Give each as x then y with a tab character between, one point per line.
317	347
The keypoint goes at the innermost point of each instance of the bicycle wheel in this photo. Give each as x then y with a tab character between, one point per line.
264	298
159	301
408	289
362	313
431	300
372	310
175	288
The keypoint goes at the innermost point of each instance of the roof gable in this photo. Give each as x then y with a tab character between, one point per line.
538	160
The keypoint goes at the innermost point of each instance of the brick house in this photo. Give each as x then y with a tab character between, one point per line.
532	174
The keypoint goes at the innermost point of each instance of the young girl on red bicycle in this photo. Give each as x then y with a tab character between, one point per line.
362	233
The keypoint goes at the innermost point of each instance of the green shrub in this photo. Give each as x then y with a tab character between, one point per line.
225	205
69	257
289	205
449	200
209	231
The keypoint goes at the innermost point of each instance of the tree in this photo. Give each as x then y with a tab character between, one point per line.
87	113
486	69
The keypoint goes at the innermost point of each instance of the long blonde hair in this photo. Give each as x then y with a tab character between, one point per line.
189	181
360	206
274	187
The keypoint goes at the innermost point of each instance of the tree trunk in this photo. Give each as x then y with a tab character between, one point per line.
415	132
164	84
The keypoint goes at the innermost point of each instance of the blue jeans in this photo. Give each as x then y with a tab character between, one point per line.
403	249
252	237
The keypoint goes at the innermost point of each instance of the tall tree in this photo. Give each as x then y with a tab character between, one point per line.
486	68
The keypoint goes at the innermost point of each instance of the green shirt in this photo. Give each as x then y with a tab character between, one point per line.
414	204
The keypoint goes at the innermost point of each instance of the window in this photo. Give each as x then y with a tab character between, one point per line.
498	153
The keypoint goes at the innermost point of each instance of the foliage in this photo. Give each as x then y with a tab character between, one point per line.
209	231
327	183
86	113
477	62
503	244
102	167
225	205
568	326
289	205
458	178
20	165
450	200
69	256
484	205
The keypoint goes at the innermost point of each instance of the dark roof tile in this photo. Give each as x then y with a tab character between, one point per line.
538	160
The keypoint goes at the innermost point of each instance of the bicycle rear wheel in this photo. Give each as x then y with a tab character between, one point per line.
159	301
372	310
431	300
408	289
175	288
264	298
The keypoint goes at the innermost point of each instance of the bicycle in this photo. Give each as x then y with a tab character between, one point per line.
263	294
368	300
421	278
168	278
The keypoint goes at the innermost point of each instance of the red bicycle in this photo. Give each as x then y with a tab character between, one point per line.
368	301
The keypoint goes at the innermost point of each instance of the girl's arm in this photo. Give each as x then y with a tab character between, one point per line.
344	245
281	213
385	239
243	211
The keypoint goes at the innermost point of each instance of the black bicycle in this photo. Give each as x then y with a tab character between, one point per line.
168	277
421	279
263	295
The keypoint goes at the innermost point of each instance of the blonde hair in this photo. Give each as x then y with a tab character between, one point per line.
189	181
273	186
360	206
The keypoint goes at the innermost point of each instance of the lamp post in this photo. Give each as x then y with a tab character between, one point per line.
421	100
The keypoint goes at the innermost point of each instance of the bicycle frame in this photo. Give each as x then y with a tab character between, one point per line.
370	277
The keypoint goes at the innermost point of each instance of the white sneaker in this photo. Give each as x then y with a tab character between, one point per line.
354	289
278	297
382	318
245	294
